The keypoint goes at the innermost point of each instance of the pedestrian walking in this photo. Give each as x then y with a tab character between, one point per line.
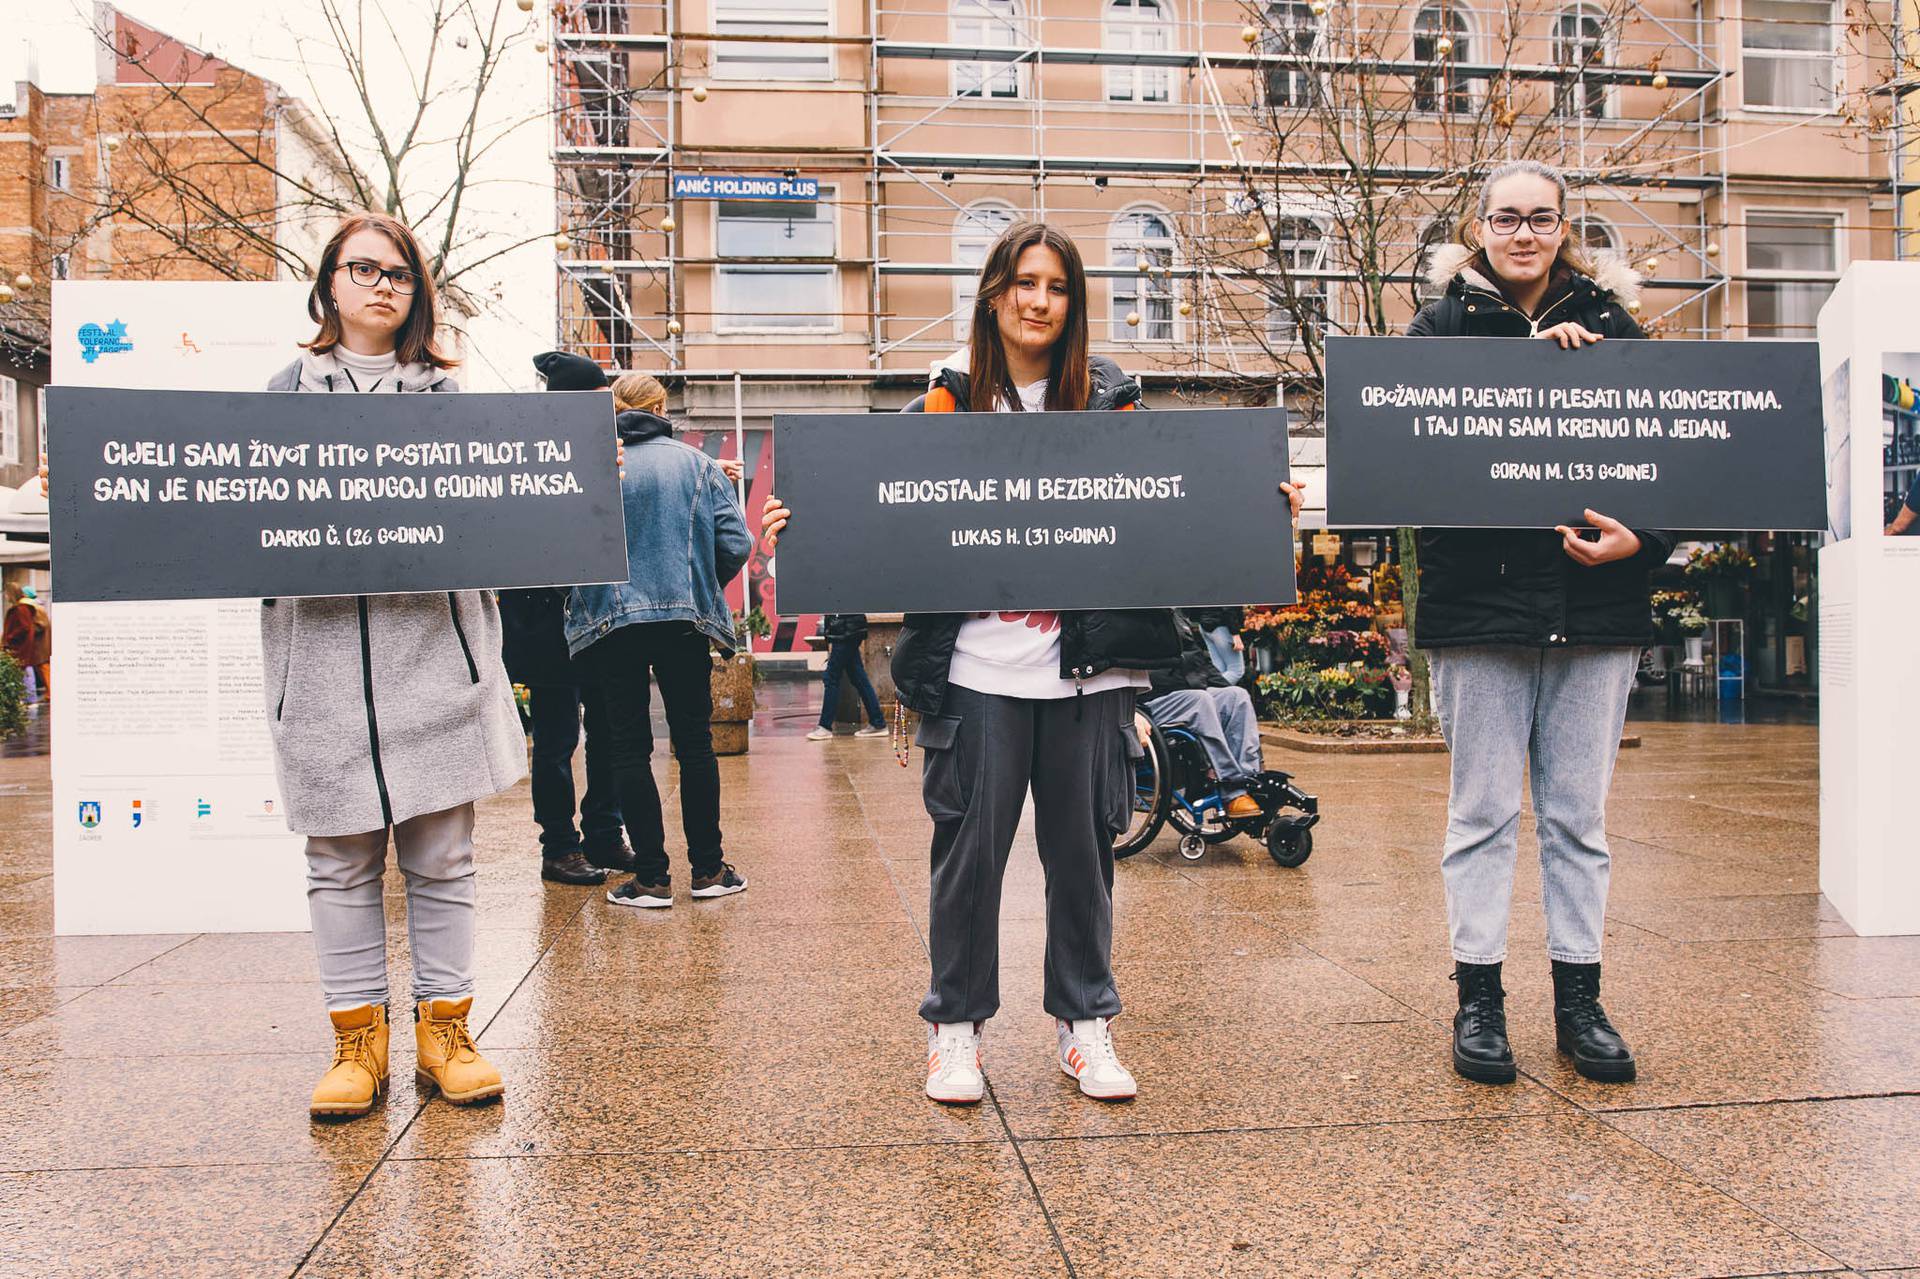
686	539
1534	639
1012	701
845	633
28	638
390	715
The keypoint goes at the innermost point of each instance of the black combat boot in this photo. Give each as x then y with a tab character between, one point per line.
1581	1029
1480	1048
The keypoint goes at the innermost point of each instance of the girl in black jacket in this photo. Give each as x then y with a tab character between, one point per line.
1017	700
1534	638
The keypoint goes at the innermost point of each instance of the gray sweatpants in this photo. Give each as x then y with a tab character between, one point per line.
435	852
1077	754
1226	724
1557	712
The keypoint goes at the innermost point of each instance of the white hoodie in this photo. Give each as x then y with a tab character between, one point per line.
1018	654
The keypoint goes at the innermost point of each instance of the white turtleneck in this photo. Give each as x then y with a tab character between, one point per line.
368	371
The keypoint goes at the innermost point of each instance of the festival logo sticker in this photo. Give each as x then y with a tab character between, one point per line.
96	340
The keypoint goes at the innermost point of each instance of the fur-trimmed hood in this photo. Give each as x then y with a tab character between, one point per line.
1612	273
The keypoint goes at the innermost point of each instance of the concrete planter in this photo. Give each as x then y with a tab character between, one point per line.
732	703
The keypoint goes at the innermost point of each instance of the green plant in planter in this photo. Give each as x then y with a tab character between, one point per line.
1690	620
13	698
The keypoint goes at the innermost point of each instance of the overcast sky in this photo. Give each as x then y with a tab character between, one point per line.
514	190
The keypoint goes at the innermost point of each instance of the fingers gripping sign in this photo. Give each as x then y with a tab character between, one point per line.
1615	541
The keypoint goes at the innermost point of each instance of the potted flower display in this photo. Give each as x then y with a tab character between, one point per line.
1722	571
1692	625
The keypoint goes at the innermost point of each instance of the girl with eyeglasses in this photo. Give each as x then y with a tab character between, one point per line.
1534	639
390	715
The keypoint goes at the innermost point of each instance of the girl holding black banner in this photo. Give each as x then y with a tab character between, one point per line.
1534	638
1012	701
390	715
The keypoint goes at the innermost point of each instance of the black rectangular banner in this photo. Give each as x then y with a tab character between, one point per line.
160	495
1517	433
970	512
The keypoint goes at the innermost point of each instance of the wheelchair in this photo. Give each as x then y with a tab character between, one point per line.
1174	782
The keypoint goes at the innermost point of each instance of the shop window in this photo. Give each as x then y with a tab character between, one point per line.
768	60
1581	44
989	24
794	287
1143	239
9	420
1439	87
1140	26
1793	260
974	232
1297	304
1291	29
1789	59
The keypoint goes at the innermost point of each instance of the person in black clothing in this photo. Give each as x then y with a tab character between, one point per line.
1534	638
845	633
1909	511
559	690
1197	697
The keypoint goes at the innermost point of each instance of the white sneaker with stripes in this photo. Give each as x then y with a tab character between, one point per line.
1086	1053
953	1063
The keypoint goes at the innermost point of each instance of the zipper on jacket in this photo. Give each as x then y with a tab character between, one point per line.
373	722
453	610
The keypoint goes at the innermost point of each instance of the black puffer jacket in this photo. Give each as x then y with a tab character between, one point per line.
1195	669
838	628
1519	586
1091	642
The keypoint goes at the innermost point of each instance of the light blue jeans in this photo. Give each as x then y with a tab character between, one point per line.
1230	663
1553	713
344	881
1224	721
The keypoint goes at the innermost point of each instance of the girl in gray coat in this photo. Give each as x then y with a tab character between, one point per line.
389	714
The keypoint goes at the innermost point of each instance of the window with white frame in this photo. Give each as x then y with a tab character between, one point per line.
9	420
1580	45
599	83
1291	29
771	60
1297	303
1138	26
974	232
1793	260
62	266
1442	37
989	24
794	285
40	418
1591	232
1789	57
1142	243
60	172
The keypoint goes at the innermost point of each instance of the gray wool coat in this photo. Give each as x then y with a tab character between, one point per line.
385	707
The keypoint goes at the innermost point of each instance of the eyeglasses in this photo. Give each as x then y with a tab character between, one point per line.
368	274
1545	222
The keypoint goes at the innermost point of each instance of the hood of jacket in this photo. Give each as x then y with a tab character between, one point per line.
637	427
1110	387
323	372
1452	265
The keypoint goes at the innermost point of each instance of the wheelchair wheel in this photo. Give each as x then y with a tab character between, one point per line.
1287	844
1151	794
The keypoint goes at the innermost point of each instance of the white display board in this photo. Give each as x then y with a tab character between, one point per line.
1869	615
167	817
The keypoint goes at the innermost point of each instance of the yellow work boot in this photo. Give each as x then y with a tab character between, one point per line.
447	1058
359	1070
1243	806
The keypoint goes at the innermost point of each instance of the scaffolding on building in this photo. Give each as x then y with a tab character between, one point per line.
632	296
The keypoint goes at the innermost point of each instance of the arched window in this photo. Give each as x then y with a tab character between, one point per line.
1292	29
1297	303
989	24
1580	45
1142	242
1141	26
974	232
1592	232
1443	37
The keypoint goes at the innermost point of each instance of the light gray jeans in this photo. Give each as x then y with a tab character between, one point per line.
1224	721
435	852
1557	714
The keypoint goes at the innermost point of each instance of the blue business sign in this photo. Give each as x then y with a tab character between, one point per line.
735	186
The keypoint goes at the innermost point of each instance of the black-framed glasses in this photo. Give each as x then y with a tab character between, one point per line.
368	274
1544	222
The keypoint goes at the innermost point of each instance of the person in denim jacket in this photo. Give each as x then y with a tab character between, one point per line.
686	539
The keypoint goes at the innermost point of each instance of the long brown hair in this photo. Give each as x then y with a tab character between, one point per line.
1573	253
414	343
640	391
1068	382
